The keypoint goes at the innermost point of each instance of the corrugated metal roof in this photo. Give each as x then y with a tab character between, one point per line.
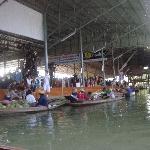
121	24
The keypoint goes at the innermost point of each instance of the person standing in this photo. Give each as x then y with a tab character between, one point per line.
29	81
46	84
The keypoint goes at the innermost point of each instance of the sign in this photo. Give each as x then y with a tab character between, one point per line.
89	55
94	60
65	59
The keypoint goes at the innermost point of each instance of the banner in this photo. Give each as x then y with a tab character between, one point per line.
65	59
89	56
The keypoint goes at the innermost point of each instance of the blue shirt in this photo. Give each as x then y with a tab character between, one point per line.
43	101
74	94
18	77
129	90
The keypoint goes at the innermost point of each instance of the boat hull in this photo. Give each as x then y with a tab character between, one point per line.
30	109
93	102
9	148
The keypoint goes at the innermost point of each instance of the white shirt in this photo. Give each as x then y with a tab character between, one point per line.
29	81
30	99
46	79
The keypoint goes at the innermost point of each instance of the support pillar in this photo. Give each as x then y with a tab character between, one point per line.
103	67
113	63
87	74
148	80
4	60
45	40
18	61
74	68
82	65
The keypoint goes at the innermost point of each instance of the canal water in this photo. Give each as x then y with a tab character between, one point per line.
123	125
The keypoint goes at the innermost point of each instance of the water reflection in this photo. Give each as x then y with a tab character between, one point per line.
114	107
148	106
39	120
25	131
130	102
32	121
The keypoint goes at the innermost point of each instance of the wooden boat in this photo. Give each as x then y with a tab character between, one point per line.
9	148
94	102
31	109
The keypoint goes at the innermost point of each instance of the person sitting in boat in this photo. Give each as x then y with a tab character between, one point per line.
22	89
30	99
112	94
106	92
82	95
128	91
73	97
136	89
7	99
9	96
42	101
89	95
12	94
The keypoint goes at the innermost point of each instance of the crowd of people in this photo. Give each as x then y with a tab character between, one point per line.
73	81
81	95
111	91
26	90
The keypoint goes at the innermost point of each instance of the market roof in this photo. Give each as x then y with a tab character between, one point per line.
117	24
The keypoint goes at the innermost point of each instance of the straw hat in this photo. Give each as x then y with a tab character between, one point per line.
82	90
41	91
75	90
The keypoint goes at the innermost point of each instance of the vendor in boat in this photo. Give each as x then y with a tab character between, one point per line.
77	96
106	92
42	101
82	95
73	97
11	94
7	99
128	91
30	99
